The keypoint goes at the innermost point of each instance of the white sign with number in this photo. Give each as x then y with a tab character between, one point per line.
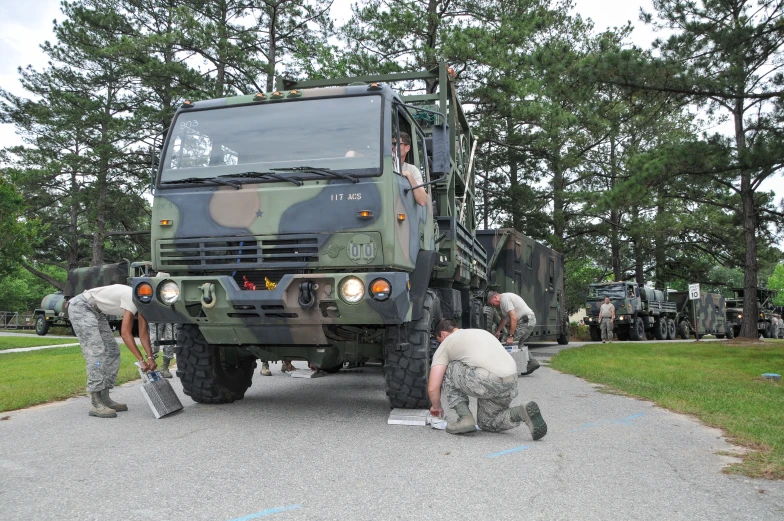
694	291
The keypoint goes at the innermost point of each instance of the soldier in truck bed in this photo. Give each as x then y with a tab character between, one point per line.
522	321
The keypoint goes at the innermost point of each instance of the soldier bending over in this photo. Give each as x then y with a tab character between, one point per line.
521	320
471	362
88	317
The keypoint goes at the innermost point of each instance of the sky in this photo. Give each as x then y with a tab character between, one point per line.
23	30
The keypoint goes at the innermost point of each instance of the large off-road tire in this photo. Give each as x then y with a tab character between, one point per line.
637	329
730	332
41	325
477	315
672	329
563	338
204	374
660	329
596	333
407	364
623	333
684	330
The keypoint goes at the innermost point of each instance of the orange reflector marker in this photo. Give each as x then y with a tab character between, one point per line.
166	222
401	217
144	292
365	214
380	289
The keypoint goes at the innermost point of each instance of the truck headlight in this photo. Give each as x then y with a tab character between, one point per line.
169	292
740	316
380	289
352	290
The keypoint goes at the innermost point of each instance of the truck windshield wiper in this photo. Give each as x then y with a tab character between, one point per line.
262	175
322	171
213	180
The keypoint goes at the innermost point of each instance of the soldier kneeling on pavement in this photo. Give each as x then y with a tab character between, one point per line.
87	313
521	319
472	362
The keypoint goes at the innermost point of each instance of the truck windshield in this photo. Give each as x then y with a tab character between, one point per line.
614	291
340	134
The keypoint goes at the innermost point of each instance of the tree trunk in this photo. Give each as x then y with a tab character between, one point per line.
615	218
749	216
41	275
102	182
272	52
559	205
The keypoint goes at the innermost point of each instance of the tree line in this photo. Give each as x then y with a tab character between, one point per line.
603	150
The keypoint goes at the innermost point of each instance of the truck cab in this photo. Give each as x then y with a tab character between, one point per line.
640	312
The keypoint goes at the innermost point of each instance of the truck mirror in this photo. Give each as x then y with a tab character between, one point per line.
441	151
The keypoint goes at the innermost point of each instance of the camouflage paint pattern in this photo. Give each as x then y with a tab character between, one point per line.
534	272
265	245
710	309
493	398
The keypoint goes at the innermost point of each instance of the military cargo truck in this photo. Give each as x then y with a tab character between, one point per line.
640	312
54	307
710	319
290	229
519	264
765	311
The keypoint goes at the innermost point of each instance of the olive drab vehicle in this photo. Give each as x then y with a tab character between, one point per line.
54	307
520	265
710	318
289	231
765	311
640	312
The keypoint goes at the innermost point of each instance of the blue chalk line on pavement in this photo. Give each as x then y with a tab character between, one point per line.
264	513
623	421
507	451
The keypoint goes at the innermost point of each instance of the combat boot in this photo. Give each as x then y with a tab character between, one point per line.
532	366
165	368
98	408
532	417
265	370
111	404
463	425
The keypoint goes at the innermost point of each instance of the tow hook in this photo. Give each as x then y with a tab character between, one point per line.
208	299
307	294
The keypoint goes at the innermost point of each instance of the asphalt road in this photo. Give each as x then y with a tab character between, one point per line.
321	449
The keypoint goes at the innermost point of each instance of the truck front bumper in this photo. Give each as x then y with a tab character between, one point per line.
293	311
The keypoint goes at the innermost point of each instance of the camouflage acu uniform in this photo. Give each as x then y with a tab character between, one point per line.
163	332
99	346
493	396
525	326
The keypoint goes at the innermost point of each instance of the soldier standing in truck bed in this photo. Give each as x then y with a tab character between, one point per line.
521	320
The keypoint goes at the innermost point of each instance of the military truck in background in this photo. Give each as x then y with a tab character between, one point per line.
640	312
289	231
519	264
54	307
710	318
765	311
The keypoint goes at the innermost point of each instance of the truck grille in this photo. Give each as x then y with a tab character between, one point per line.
238	252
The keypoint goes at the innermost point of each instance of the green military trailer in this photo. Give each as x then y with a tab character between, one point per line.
519	264
765	311
640	312
290	229
54	307
710	318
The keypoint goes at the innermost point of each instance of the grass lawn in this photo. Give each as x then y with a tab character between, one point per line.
12	342
50	374
718	383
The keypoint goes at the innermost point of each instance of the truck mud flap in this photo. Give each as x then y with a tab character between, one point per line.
420	278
